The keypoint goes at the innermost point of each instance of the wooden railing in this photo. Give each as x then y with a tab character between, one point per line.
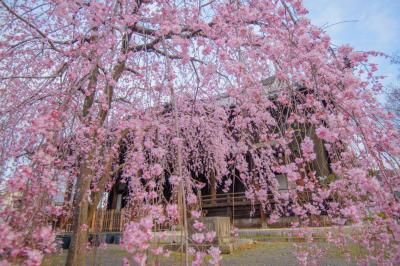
108	221
113	220
105	221
228	199
225	199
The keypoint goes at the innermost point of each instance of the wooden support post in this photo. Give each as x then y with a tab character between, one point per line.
111	221
93	224
114	196
213	188
321	162
101	223
263	217
121	220
229	213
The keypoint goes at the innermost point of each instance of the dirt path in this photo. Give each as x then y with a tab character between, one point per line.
260	254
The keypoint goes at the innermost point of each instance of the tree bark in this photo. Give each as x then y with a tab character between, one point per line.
181	190
77	250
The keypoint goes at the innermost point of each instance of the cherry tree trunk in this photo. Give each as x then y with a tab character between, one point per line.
77	250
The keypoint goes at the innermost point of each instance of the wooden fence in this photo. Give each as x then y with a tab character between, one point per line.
228	199
113	220
105	221
225	199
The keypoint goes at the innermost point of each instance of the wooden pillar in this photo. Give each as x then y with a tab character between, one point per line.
110	226
121	220
101	222
263	217
321	161
114	196
230	213
213	188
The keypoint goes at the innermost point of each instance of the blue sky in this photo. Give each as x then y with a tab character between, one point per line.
376	27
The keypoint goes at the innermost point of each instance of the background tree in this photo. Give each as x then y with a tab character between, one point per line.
393	96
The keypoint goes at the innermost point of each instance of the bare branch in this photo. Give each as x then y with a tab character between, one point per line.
30	25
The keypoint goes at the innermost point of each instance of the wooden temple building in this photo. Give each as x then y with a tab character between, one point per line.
214	201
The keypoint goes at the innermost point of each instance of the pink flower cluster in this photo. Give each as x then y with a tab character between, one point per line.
161	95
307	148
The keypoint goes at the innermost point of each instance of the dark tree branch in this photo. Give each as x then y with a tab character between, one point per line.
50	42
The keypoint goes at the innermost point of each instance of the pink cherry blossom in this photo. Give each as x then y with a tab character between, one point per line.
210	236
325	134
307	147
215	254
196	214
199	226
172	211
198	238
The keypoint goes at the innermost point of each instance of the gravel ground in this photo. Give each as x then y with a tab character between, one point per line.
259	254
279	254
